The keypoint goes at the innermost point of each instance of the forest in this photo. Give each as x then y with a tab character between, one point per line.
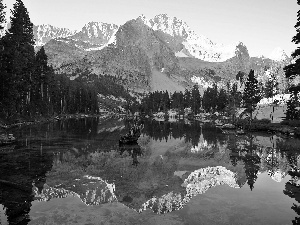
214	99
29	85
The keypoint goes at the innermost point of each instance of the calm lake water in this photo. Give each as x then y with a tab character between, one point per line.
74	171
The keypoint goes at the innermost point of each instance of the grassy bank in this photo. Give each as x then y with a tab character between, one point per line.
285	127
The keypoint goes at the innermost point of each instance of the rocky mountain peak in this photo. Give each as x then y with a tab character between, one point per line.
171	26
182	39
97	33
97	29
45	32
133	32
144	20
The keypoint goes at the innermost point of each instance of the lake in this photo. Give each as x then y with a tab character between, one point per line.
75	172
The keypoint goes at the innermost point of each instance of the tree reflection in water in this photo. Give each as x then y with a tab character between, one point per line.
138	179
134	150
292	187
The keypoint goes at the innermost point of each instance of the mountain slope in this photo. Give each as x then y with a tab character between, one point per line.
62	51
162	82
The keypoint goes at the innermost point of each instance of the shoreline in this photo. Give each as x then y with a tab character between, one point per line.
5	125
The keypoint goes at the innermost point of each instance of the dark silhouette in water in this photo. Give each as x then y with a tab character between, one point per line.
134	133
133	150
29	168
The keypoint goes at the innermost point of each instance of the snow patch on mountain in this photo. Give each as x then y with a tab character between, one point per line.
278	54
180	54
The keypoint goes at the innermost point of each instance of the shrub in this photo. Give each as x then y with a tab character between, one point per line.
292	123
264	121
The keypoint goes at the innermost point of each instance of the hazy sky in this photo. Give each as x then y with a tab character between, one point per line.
261	25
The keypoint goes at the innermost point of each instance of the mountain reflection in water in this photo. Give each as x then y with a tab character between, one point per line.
172	163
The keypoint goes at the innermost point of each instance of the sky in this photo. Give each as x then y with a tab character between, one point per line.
262	25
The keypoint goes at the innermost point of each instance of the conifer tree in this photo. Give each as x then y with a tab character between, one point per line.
196	99
234	100
222	100
18	58
210	98
292	113
2	72
2	15
293	70
41	81
187	98
251	94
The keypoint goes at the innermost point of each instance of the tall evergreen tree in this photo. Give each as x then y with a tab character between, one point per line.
209	100
18	59
292	113
234	100
41	80
2	74
2	15
251	94
222	100
187	98
196	99
271	85
293	70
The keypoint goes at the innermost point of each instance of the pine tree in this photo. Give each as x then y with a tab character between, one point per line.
251	94
234	100
2	15
293	70
3	76
209	99
292	113
187	98
222	100
196	99
271	85
18	59
41	79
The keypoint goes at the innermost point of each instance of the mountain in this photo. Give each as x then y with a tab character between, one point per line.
175	33
161	53
278	54
94	33
97	33
63	47
185	42
133	56
209	72
146	54
135	33
44	33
